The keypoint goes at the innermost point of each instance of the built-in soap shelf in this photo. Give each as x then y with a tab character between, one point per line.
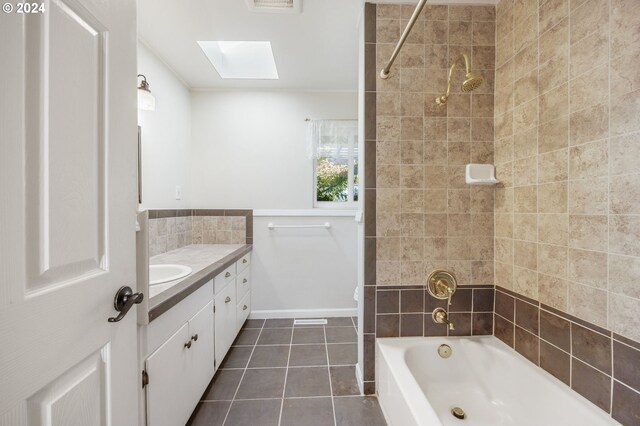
480	174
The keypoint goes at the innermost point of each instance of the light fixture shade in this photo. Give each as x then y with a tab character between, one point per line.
146	101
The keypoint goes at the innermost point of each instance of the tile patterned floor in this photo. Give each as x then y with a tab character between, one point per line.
280	374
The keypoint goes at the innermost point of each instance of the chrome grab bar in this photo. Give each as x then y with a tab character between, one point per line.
324	225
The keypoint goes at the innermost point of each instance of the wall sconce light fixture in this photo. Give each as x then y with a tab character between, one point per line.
146	101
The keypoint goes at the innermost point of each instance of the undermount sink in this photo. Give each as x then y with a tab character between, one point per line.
159	274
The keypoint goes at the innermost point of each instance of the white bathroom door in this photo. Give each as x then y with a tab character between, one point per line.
67	213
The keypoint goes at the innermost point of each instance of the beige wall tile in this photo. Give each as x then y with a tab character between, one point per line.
624	74
553	166
555	42
553	135
624	275
589	124
525	171
553	229
525	227
589	52
525	281
435	248
552	197
588	303
586	90
525	144
588	232
591	16
589	196
625	113
551	13
504	224
624	235
525	254
504	275
625	194
588	267
554	103
525	199
624	154
553	291
552	260
588	160
623	315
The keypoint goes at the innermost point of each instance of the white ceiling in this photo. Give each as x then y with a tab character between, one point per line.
314	50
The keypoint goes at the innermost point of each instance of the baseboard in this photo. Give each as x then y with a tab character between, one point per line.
304	313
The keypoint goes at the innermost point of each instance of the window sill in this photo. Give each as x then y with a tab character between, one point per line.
317	212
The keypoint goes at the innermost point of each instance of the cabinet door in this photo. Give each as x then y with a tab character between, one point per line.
225	320
168	400
242	311
200	354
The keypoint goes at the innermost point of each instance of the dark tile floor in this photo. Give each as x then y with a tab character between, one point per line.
280	374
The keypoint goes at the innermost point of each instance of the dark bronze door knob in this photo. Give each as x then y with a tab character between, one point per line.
124	300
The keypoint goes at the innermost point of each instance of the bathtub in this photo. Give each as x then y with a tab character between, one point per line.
490	382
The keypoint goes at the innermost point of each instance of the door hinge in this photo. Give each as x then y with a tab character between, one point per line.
145	379
214	309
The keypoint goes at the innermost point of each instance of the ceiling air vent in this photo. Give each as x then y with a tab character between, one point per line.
275	6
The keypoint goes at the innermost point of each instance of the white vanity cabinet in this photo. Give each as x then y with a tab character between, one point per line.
232	300
180	370
187	343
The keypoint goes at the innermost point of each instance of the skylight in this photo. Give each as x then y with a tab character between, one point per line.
241	59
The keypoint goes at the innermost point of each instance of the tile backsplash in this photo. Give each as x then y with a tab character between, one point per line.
172	229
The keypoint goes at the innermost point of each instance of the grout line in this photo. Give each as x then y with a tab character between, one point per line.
326	349
243	373
284	387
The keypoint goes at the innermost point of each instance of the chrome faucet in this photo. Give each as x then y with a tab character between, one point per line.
440	317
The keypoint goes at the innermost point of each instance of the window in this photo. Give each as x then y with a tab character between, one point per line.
334	149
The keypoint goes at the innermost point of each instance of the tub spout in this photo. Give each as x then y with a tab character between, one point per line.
440	317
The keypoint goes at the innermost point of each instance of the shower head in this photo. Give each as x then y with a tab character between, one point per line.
471	82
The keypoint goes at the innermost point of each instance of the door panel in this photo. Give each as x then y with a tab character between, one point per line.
67	214
76	398
65	61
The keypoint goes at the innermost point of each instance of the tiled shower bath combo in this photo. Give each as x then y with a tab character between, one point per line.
557	243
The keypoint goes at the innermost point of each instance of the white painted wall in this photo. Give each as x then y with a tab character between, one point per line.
304	272
249	148
166	136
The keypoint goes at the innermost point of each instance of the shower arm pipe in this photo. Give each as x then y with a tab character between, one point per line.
467	66
384	74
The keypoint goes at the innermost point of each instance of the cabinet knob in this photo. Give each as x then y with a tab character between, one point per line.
244	260
244	281
227	275
188	345
244	308
195	337
227	299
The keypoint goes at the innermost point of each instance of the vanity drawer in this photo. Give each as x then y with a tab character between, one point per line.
225	277
243	283
244	262
242	311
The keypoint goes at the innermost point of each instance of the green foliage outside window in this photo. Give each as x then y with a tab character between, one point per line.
332	180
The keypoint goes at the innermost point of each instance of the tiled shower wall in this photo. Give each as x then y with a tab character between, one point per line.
172	229
567	224
419	213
